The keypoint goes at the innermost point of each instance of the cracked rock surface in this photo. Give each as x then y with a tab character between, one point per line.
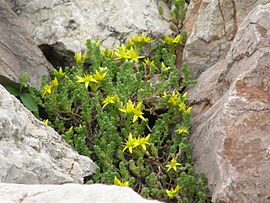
231	116
94	193
212	25
18	52
33	153
66	24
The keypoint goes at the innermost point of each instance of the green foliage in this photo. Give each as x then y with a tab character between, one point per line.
29	99
127	112
178	11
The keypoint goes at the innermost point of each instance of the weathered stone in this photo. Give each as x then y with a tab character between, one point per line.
18	53
191	15
231	118
65	25
31	152
214	29
95	193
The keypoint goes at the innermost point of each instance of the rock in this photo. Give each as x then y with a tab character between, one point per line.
191	15
18	53
95	193
61	27
231	117
33	153
215	26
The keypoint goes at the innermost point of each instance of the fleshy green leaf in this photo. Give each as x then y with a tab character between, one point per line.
29	102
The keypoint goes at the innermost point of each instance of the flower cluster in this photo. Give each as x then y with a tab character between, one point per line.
172	192
172	40
124	54
139	40
96	78
48	88
132	143
135	110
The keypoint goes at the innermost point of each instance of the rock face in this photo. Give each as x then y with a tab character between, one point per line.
231	117
213	29
95	193
61	27
33	153
18	53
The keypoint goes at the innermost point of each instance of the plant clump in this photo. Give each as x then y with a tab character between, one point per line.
127	112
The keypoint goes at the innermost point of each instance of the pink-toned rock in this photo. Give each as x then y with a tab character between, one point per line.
215	25
191	16
231	117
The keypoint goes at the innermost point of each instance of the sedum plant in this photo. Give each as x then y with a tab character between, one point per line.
125	109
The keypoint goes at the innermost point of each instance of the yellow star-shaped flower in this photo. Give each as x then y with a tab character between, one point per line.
86	79
109	100
120	183
172	165
172	192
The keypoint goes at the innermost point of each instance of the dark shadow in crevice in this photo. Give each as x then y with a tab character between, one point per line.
57	55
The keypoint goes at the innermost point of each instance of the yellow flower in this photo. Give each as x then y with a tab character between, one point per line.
133	55
164	68
189	110
164	94
59	73
141	40
54	82
185	94
174	99
143	142
46	122
129	107
172	165
109	100
182	130
86	79
108	53
130	143
97	43
79	58
148	62
171	40
70	130
182	107
119	183
172	192
121	53
46	89
99	75
138	113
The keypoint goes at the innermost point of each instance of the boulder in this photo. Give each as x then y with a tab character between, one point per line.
18	53
231	117
61	27
214	24
32	152
95	193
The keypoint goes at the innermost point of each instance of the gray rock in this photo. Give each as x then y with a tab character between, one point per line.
31	152
64	25
231	117
18	53
69	193
215	26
